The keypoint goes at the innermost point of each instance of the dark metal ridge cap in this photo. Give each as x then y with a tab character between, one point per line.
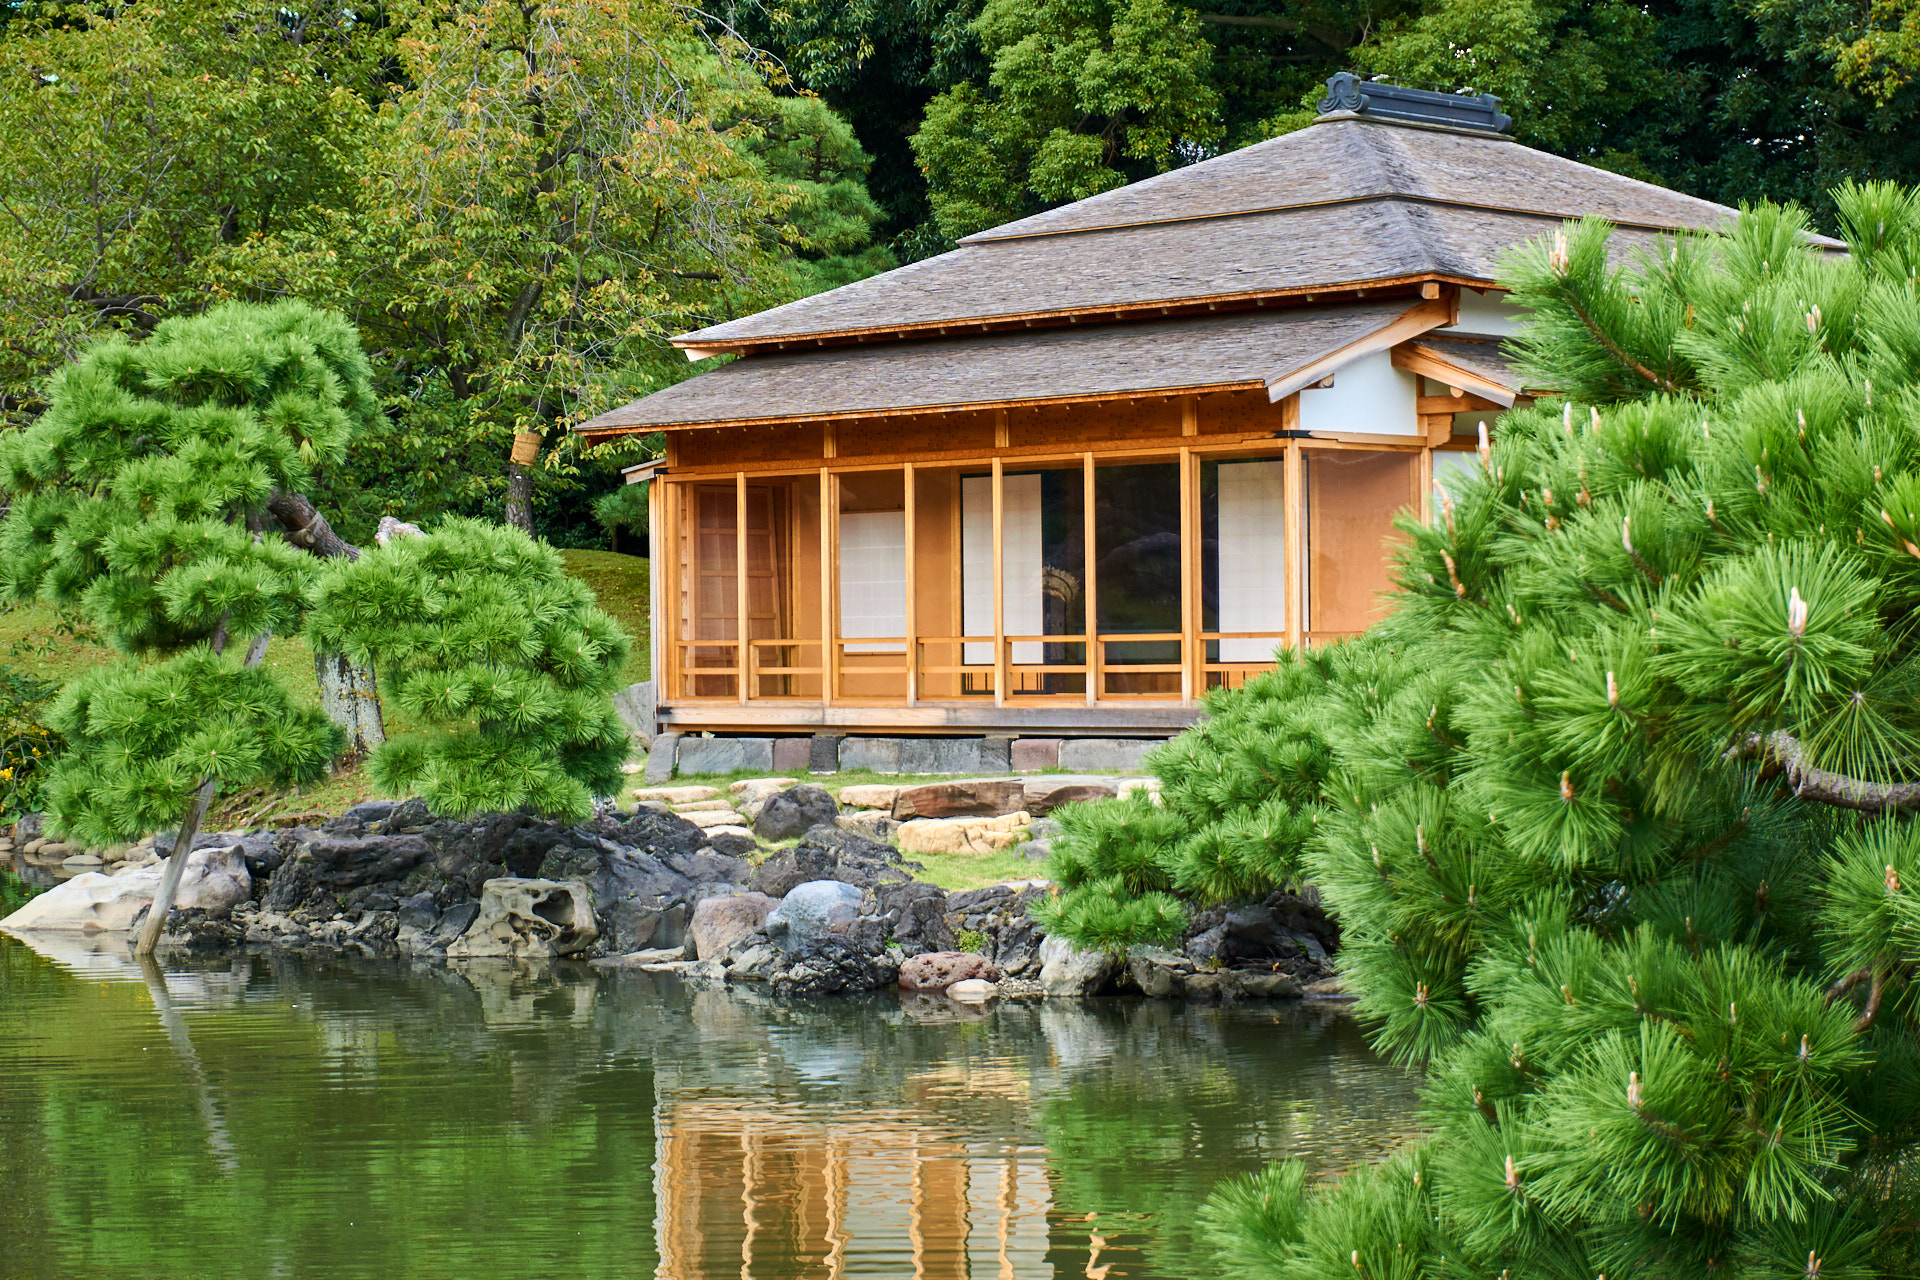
1153	309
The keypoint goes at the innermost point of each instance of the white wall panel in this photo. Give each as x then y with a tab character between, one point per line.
1368	396
1021	607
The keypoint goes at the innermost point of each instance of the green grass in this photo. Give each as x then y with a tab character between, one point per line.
956	872
620	584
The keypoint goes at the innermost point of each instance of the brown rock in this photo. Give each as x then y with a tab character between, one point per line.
1045	794
938	970
721	925
967	798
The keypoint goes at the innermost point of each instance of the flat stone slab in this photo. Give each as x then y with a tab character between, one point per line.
704	806
1105	753
872	795
677	795
768	785
969	797
711	819
725	755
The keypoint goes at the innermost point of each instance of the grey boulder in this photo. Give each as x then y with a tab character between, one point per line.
795	812
811	912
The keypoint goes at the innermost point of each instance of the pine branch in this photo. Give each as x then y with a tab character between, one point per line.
1613	348
1823	786
307	528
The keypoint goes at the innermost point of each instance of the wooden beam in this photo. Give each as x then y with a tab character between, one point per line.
1114	717
742	649
656	602
1189	574
1463	403
999	590
1063	451
1189	415
1002	435
829	614
1437	426
1415	321
1090	585
1296	490
912	602
1426	486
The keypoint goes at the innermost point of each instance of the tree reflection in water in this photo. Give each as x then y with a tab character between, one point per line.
334	1118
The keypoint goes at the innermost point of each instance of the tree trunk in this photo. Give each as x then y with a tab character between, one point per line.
351	698
183	842
520	498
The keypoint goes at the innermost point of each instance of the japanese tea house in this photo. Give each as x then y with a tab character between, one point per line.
1096	461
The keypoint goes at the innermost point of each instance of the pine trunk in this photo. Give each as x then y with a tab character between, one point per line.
176	867
351	698
520	498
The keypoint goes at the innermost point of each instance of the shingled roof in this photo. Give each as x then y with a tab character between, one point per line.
1213	353
1343	204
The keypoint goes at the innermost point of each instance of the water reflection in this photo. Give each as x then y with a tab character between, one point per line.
289	1116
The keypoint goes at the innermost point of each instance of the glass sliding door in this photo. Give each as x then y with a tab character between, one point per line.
1042	580
1138	579
1352	499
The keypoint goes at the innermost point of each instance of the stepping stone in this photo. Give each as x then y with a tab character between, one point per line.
768	785
967	797
677	795
709	818
868	796
703	806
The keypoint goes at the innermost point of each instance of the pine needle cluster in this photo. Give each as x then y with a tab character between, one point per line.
136	499
1616	809
479	632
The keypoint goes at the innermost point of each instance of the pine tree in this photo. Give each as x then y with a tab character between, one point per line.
140	498
1617	808
479	633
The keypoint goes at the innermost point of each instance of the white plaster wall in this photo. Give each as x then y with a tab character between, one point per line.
1368	395
1488	313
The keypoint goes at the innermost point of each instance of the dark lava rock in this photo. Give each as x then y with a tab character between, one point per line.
419	912
345	862
794	812
836	962
828	853
916	912
732	843
366	814
454	921
292	887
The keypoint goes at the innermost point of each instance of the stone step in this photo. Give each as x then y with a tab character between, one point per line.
676	795
963	835
963	797
709	818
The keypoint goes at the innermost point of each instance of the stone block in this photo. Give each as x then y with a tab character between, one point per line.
676	795
660	759
972	797
1030	755
996	753
1045	794
721	926
880	755
726	755
823	753
792	755
638	707
1105	753
943	755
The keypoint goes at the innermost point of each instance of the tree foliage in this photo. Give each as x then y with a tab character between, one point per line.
1615	808
479	633
136	499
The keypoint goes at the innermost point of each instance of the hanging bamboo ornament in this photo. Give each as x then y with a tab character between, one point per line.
526	448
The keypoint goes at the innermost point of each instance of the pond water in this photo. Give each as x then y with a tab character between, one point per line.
273	1115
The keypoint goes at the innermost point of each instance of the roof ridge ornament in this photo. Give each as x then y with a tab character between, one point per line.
1349	95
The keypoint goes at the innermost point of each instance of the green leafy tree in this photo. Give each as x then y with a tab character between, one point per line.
480	634
139	498
1616	808
1082	97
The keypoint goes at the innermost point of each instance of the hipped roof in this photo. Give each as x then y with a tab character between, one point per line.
1342	204
1243	351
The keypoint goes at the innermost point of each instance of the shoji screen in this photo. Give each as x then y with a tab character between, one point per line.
1252	556
873	579
1021	611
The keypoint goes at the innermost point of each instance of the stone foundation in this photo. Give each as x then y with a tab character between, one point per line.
677	754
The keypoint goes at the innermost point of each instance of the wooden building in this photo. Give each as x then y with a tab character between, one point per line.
1094	462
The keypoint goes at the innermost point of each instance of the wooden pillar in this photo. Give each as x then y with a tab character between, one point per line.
1189	415
1190	648
829	615
1426	486
668	581
656	604
999	588
1296	490
1090	587
912	615
743	649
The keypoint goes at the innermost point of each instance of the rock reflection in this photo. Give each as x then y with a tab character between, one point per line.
359	1117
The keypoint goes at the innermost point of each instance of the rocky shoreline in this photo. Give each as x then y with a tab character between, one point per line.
714	894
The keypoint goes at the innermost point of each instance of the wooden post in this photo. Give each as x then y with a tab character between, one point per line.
1189	575
656	606
1002	433
743	649
999	588
1091	588
1426	485
1296	490
829	544
1189	415
912	616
